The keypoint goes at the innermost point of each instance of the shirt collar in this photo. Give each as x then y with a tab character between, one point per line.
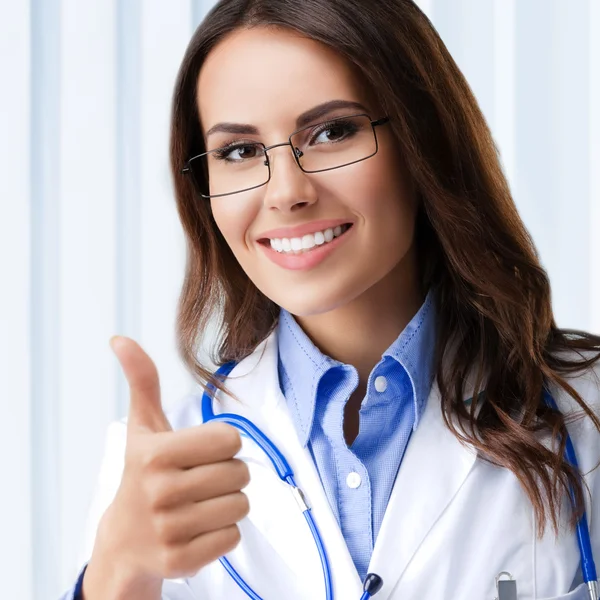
414	350
302	364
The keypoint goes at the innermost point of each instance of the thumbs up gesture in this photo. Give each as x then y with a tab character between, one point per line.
179	500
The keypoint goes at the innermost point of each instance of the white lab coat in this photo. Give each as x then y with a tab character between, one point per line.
452	524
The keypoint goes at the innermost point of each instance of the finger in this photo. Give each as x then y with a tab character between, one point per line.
185	560
145	410
201	445
196	518
204	482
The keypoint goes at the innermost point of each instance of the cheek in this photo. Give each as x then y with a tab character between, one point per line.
233	218
381	196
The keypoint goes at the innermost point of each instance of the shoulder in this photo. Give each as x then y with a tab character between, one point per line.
583	431
586	382
249	380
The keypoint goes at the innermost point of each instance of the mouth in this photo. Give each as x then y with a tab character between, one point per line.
307	243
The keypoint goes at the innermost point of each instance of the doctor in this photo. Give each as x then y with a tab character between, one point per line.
388	326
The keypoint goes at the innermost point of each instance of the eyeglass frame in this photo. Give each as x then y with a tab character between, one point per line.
296	153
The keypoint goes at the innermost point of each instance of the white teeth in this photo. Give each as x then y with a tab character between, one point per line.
296	245
308	241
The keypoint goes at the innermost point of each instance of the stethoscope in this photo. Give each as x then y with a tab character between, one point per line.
373	582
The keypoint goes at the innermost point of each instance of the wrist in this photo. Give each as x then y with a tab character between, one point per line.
110	576
109	580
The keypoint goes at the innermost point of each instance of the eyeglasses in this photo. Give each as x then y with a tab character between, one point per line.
244	165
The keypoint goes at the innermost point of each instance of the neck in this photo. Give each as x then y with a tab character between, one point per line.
359	332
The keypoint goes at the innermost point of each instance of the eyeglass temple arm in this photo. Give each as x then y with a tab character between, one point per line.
380	121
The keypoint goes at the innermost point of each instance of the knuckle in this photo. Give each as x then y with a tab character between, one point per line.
163	529
231	440
242	472
232	537
170	562
147	457
152	458
146	454
219	543
241	505
245	505
157	492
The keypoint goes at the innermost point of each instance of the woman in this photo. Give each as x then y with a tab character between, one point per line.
390	326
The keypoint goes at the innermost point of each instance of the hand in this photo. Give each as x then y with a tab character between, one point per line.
180	498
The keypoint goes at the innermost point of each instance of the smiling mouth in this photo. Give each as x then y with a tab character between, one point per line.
306	243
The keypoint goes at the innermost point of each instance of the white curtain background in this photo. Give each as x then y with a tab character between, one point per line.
90	243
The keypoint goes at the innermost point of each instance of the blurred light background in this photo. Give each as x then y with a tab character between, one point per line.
90	243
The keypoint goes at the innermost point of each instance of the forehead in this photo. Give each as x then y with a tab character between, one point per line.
262	76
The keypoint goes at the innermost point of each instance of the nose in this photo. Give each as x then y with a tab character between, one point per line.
290	188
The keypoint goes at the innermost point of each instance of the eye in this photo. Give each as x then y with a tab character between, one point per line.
238	152
332	132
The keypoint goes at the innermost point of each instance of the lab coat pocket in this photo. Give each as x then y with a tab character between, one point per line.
579	593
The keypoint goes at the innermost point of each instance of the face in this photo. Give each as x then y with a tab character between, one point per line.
267	79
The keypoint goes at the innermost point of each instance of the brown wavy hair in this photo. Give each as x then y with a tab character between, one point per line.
495	314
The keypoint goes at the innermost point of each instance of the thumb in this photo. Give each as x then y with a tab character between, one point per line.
145	410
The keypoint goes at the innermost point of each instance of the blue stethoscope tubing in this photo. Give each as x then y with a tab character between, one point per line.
588	566
373	583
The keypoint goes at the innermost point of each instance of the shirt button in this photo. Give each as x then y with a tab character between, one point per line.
381	383
353	480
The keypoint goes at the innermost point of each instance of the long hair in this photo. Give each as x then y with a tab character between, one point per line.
495	313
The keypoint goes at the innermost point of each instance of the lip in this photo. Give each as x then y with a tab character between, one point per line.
307	260
300	230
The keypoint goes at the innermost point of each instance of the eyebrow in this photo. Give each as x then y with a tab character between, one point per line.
304	119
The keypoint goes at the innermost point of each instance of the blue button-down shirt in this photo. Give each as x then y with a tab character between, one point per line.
316	388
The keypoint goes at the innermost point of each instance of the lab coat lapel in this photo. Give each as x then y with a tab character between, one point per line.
431	474
263	403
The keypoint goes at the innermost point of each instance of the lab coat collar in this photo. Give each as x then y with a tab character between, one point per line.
432	472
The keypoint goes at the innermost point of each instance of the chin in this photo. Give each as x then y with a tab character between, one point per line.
311	304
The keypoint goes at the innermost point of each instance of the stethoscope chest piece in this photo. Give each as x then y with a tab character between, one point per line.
506	588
